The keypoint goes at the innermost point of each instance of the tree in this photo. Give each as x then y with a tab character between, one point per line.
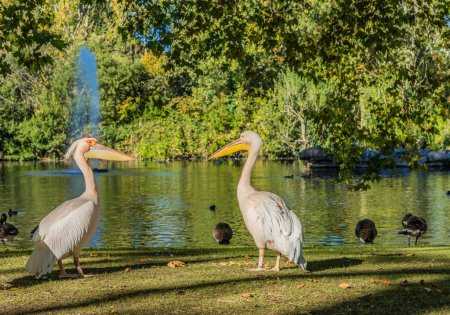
26	38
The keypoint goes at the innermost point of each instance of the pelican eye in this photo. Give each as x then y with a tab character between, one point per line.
91	142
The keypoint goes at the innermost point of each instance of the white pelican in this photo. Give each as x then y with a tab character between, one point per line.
266	216
72	224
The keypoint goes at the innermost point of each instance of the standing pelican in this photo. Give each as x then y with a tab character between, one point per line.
266	216
72	224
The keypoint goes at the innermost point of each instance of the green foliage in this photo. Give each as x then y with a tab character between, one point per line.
34	115
26	37
180	78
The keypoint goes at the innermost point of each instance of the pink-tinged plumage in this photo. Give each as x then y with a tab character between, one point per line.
72	224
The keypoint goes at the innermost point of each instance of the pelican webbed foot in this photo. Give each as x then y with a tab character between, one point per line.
277	264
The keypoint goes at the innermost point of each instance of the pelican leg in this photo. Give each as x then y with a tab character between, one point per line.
76	261
277	264
417	238
260	261
62	272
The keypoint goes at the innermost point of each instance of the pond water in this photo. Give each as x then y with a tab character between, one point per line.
167	204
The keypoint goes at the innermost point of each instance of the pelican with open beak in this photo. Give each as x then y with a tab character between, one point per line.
72	224
270	222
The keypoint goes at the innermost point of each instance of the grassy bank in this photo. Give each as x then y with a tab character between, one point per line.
365	280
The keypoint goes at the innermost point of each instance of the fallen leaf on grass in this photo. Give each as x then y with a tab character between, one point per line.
246	296
345	285
427	289
387	282
176	264
404	283
127	269
301	285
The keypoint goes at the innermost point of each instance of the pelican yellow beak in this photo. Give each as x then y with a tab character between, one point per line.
99	151
230	148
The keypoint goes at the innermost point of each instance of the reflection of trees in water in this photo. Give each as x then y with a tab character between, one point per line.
432	204
204	184
167	204
167	226
144	209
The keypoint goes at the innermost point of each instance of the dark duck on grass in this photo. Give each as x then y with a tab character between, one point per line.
366	231
7	230
223	233
413	226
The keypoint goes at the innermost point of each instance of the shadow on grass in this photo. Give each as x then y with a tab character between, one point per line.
168	252
325	264
28	281
396	296
14	253
411	299
117	252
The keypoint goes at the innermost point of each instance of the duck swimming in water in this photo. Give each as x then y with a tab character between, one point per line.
12	212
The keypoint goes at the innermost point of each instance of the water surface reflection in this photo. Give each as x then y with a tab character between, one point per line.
167	205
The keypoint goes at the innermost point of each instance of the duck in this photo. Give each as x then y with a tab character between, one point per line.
12	212
366	231
7	230
413	226
223	233
212	207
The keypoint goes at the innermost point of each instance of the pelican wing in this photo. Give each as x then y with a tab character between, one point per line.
63	229
282	229
279	221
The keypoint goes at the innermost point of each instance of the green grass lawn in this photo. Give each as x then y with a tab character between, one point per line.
382	281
